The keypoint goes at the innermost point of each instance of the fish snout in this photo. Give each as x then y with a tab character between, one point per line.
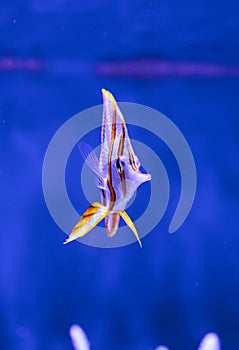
145	177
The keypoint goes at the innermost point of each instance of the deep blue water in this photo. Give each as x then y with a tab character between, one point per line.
178	287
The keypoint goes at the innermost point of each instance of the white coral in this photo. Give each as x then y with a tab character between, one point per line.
80	342
210	342
78	338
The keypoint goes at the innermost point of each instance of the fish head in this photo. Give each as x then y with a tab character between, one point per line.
127	178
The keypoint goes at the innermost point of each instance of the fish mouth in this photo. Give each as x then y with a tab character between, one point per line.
146	177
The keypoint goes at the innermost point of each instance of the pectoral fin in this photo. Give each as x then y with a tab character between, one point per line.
129	222
89	156
91	217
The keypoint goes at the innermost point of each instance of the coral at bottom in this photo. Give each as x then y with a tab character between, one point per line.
80	342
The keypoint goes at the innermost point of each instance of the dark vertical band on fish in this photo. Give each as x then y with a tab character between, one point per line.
109	178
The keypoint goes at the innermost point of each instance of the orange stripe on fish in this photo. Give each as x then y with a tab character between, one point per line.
120	152
132	162
109	178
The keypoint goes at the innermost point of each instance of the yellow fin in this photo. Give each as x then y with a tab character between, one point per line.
90	218
129	222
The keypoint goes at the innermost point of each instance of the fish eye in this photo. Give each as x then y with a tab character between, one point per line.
120	165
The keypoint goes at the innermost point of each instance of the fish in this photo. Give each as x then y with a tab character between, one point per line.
118	173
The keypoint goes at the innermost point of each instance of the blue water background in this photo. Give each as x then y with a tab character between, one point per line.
178	287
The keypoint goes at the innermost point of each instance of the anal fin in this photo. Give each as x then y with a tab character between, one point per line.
129	222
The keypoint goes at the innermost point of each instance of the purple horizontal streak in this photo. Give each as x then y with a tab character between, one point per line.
147	69
161	68
27	64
